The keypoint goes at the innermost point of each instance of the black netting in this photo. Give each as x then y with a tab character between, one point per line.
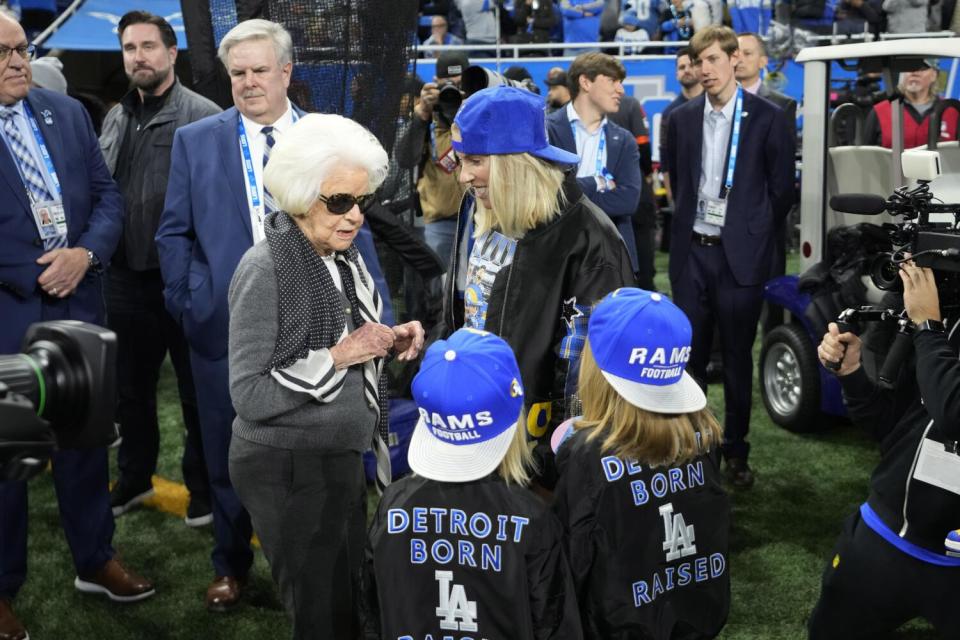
350	56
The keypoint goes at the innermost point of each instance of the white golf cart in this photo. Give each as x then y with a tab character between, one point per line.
796	390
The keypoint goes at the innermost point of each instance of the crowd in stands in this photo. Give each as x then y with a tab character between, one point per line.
635	23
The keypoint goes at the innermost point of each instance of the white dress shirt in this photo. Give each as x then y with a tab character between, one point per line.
257	143
587	144
717	126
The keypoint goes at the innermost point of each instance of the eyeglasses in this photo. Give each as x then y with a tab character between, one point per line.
341	203
25	51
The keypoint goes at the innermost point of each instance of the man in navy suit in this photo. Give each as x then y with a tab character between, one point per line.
59	224
213	213
609	169
731	159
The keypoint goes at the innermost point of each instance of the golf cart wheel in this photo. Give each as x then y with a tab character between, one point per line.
790	379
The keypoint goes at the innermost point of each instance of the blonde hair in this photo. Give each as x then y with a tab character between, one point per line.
525	192
316	145
655	439
518	464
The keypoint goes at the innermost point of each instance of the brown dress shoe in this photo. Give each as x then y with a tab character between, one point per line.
10	627
224	593
116	582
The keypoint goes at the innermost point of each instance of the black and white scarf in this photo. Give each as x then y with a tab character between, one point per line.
312	320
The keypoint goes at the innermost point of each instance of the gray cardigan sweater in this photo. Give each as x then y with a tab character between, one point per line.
267	412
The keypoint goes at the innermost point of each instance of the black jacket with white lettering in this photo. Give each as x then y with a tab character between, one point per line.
925	404
626	586
526	594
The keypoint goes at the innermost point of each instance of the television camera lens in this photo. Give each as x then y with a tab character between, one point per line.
885	273
62	389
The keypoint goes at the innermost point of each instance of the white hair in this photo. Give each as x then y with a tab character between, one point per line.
307	153
258	29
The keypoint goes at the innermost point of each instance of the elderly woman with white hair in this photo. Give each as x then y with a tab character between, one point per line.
306	372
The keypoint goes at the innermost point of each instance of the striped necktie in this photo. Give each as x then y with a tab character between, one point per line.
269	204
32	176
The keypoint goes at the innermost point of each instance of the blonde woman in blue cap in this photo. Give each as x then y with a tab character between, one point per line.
462	549
640	495
533	255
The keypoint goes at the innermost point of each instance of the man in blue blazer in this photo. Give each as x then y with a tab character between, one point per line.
213	213
732	173
59	224
609	169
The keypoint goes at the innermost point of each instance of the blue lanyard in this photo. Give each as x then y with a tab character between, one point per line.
734	141
248	162
433	141
601	169
44	153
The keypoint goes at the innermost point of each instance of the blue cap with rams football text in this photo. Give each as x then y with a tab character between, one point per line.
641	343
470	396
502	120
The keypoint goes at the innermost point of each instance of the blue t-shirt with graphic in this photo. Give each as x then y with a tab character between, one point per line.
492	251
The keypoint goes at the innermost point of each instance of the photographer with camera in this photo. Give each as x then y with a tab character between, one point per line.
895	560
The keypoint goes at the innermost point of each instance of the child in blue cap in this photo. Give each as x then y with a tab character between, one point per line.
462	549
533	254
640	495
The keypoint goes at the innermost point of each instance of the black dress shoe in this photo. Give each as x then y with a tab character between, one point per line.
739	473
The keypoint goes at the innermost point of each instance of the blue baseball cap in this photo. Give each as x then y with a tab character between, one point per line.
641	342
470	396
502	120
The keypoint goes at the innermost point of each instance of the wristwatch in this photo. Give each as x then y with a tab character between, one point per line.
93	262
931	325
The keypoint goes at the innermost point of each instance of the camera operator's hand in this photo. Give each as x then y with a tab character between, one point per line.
920	297
429	95
840	347
372	340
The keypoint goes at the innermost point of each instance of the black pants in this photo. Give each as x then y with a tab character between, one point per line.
875	588
645	234
309	510
145	333
708	293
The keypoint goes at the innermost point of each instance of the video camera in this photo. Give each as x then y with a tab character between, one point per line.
59	392
473	79
864	91
929	244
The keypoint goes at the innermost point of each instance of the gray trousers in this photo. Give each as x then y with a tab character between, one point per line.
309	510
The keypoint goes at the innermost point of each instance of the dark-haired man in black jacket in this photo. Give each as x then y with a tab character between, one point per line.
893	560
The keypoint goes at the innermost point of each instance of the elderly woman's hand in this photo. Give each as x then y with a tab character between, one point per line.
408	340
372	340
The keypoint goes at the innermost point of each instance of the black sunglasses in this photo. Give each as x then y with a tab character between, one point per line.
341	203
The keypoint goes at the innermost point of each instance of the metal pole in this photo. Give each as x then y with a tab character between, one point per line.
55	25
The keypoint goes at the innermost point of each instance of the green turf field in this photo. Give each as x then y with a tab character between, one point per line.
783	531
